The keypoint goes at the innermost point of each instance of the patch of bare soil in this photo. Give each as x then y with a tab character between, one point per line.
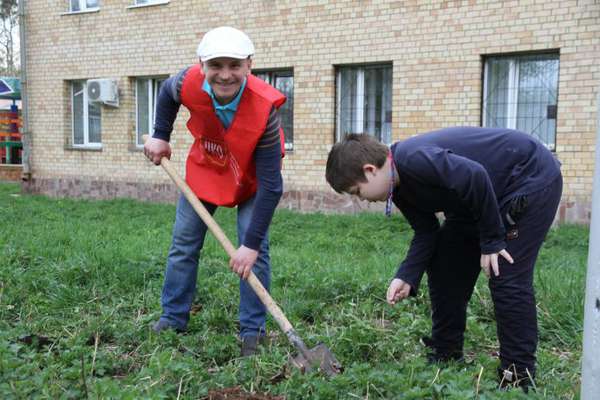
236	393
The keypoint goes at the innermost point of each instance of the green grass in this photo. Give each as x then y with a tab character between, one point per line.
84	272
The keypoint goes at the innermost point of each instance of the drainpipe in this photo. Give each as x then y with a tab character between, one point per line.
25	134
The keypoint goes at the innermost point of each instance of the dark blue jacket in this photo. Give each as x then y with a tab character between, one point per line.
468	173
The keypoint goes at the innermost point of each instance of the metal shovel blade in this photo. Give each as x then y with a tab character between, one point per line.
319	357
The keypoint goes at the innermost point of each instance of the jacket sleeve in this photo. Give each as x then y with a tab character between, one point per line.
267	157
422	246
167	106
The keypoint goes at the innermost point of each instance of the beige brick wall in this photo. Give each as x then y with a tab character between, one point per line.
435	48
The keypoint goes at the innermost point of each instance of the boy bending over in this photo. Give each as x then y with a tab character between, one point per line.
499	190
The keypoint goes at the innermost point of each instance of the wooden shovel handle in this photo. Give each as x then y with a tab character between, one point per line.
216	230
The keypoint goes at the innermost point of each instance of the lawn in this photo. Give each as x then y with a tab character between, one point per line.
80	285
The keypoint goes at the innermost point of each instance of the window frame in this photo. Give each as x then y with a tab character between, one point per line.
153	91
85	117
361	68
150	3
513	89
83	7
272	74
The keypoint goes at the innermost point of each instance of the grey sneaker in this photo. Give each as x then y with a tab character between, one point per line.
250	345
511	377
162	325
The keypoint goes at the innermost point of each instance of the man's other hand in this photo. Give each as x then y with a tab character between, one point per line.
242	261
155	149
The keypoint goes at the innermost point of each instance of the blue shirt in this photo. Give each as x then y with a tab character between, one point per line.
224	112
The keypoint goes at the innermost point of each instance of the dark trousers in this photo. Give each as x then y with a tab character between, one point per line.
454	270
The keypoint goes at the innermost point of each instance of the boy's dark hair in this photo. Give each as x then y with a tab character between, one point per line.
347	158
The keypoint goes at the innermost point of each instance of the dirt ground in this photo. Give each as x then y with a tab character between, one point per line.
235	393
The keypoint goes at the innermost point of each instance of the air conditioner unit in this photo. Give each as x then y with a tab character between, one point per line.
103	91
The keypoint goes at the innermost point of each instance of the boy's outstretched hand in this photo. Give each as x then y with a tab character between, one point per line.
397	291
491	260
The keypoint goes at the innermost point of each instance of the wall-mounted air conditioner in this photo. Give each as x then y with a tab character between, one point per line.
103	91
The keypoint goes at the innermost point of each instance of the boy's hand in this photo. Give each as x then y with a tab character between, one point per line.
243	260
491	260
397	291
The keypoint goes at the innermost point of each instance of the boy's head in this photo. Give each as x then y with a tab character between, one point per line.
357	159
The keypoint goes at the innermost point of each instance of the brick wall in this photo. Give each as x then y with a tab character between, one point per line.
436	49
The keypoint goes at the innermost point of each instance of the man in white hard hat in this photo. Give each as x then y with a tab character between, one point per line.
235	160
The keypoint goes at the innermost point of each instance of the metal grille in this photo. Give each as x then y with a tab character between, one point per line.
521	93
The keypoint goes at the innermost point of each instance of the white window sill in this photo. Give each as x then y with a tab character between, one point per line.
135	148
84	147
154	3
86	11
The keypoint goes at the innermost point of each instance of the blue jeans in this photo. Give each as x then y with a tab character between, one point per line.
179	287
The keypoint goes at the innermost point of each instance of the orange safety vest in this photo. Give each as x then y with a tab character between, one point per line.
220	167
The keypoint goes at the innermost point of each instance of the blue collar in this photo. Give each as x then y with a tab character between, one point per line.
232	105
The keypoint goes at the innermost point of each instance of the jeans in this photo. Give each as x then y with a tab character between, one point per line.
179	287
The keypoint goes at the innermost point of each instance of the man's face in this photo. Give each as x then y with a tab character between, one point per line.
377	185
225	76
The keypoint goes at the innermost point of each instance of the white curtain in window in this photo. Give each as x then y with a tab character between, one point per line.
78	127
143	100
80	5
86	117
75	5
365	101
347	101
285	84
94	113
146	93
497	93
386	109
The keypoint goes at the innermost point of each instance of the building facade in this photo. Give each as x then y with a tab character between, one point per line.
389	68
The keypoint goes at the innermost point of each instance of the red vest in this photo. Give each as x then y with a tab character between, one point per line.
220	167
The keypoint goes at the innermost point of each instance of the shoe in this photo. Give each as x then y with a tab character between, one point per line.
250	345
437	356
162	325
512	378
427	342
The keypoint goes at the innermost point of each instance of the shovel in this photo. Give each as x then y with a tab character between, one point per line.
319	357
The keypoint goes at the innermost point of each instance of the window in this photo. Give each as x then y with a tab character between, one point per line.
86	117
284	82
521	93
364	101
146	93
82	5
149	2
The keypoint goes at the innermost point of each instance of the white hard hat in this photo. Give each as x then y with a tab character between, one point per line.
225	41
